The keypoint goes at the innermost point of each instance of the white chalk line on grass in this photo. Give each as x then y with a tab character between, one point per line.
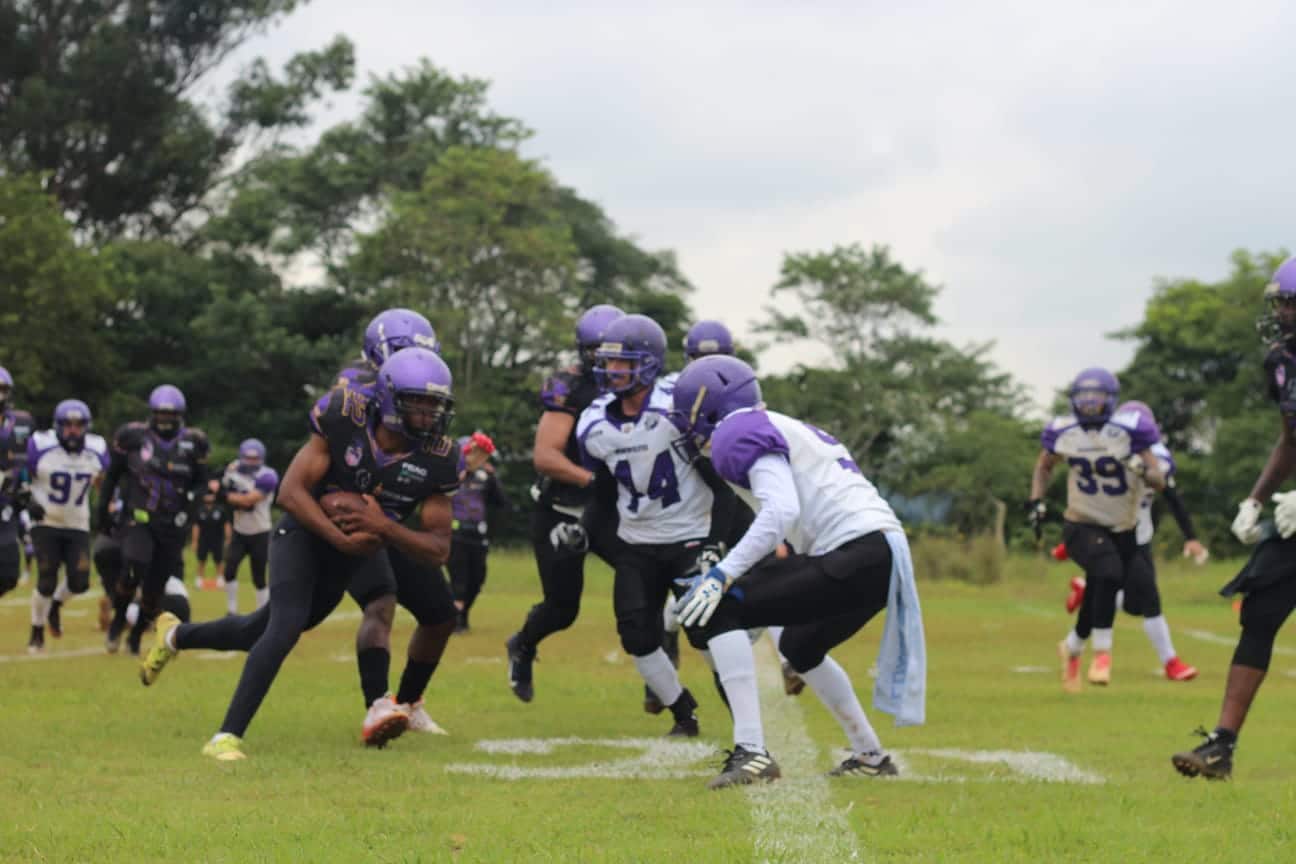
657	759
794	818
1231	641
52	655
1023	765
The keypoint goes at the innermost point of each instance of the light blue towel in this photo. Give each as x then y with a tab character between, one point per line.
901	688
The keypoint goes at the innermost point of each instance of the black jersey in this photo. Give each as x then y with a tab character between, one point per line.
160	474
569	391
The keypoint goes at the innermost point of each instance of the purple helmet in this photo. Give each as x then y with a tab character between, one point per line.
1279	321
1144	412
710	389
708	337
589	330
638	339
167	408
71	411
251	456
1093	395
413	394
394	330
6	387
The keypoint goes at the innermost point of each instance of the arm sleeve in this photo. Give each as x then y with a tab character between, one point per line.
773	486
1179	512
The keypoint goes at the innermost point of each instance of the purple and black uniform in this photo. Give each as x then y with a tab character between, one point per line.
15	428
211	518
479	493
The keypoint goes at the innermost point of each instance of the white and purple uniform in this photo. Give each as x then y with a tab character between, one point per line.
1144	529
661	497
61	481
264	480
1100	490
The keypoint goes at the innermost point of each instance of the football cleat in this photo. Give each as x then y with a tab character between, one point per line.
1076	596
36	644
421	721
651	704
1212	759
1070	668
1100	669
520	658
385	721
160	654
1177	670
743	766
224	747
686	722
105	612
873	764
113	640
54	620
793	683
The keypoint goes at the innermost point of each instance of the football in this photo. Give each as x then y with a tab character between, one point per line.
336	503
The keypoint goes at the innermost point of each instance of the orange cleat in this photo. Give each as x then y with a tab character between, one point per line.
1100	669
1070	669
1177	670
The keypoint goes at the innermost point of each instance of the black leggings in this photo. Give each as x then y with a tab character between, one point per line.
1142	597
645	576
467	566
562	579
1107	558
256	547
1264	611
821	600
310	579
61	548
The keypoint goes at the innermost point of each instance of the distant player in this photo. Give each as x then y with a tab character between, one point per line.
15	427
394	450
706	338
389	331
479	493
211	525
160	467
64	464
852	561
1266	581
248	486
1106	453
564	487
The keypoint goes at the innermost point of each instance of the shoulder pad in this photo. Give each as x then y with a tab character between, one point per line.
94	443
47	438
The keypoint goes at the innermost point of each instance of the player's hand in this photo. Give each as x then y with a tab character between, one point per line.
1036	510
699	603
35	510
1135	465
1285	513
1196	551
360	544
1246	525
569	536
710	555
369	519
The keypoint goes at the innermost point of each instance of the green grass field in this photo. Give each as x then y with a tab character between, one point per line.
96	768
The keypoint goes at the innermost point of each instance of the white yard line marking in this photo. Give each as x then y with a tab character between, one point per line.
657	759
52	655
1216	639
794	819
1024	765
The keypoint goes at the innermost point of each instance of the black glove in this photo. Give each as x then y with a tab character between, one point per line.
1036	511
35	510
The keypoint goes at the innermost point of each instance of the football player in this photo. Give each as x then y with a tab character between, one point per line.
161	466
63	464
479	493
668	512
394	450
387	332
15	427
211	523
1265	581
564	487
707	337
248	486
1106	453
852	561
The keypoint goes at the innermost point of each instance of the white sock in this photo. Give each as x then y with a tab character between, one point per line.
1120	599
40	609
61	593
660	676
132	614
776	633
1102	639
1074	644
1158	633
231	593
736	665
262	596
169	638
832	685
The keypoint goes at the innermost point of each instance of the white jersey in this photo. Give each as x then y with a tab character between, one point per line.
661	496
264	480
837	503
1144	529
61	481
1100	490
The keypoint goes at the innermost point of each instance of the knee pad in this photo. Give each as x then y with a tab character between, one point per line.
801	651
79	581
47	581
640	633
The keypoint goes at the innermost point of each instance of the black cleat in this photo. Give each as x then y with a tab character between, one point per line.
520	658
651	704
36	644
55	620
866	765
686	722
1212	759
743	766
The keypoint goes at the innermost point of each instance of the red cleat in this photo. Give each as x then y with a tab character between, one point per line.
1076	597
1177	670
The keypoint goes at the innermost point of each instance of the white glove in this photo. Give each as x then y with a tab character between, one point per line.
1245	524
1285	513
569	536
699	603
1196	551
1135	465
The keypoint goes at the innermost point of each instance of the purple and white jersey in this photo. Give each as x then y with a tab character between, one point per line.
1100	491
661	497
264	480
61	481
1144	529
836	502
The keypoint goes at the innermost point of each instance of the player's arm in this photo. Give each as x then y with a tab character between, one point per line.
245	500
1042	475
773	486
112	477
305	473
1153	475
548	451
1282	459
431	542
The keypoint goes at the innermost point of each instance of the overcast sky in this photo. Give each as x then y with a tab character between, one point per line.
1044	164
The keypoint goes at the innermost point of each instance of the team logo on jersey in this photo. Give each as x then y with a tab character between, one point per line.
651	421
146	451
363	480
411	473
354	453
